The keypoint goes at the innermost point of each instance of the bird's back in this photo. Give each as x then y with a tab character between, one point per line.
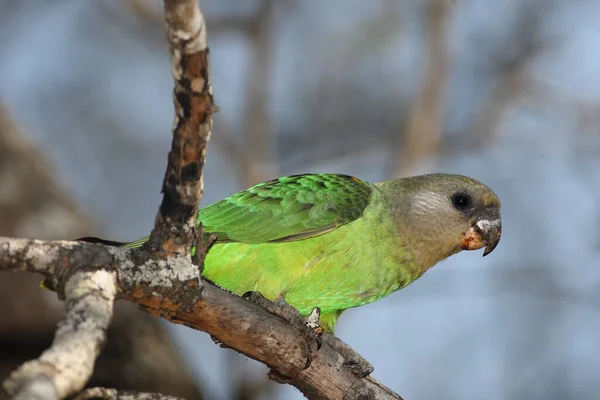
354	264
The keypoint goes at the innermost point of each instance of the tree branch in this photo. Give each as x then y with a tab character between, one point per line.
174	230
113	394
67	365
168	288
37	205
259	157
161	276
420	139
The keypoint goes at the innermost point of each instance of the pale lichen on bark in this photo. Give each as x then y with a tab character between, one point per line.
38	388
154	272
175	227
32	256
80	335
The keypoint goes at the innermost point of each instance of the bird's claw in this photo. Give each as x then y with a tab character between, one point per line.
310	329
357	364
312	323
219	343
359	367
313	332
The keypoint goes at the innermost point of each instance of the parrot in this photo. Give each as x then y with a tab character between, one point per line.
337	242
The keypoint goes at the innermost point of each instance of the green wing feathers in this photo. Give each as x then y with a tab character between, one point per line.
287	209
259	241
284	209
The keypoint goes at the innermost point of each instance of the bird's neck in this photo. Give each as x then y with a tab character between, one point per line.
421	240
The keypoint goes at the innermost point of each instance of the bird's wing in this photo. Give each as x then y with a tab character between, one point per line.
287	209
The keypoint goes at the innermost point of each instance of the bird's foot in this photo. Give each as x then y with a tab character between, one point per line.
313	323
310	329
357	364
219	343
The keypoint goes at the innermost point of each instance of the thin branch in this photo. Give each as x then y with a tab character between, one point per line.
259	163
487	123
67	365
174	231
144	9
512	81
422	133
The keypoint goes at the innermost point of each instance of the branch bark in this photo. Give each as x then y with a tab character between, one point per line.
161	276
139	354
174	230
259	163
67	365
168	288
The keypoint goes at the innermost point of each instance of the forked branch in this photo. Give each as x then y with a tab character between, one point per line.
161	276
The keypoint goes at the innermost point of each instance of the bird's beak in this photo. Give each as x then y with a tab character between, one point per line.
490	232
485	232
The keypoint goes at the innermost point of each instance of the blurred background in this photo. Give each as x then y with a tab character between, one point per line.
507	92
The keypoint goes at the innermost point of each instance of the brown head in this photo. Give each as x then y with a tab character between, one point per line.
440	214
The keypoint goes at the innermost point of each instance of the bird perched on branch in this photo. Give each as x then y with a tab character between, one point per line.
336	242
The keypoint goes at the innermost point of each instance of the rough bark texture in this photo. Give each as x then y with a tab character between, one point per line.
69	362
168	288
162	277
174	230
139	355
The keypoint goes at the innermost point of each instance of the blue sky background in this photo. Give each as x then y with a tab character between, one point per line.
89	82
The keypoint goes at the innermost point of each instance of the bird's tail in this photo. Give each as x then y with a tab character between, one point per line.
91	239
46	284
128	245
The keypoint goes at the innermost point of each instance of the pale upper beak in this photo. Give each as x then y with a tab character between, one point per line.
485	232
490	232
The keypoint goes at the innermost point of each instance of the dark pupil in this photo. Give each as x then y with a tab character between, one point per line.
461	200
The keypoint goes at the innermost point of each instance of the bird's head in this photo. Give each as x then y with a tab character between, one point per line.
444	214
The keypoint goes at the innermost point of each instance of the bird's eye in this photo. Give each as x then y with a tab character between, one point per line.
462	201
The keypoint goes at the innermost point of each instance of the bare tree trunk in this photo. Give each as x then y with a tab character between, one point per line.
509	88
421	136
260	164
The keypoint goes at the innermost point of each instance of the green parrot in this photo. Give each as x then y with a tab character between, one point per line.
335	242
